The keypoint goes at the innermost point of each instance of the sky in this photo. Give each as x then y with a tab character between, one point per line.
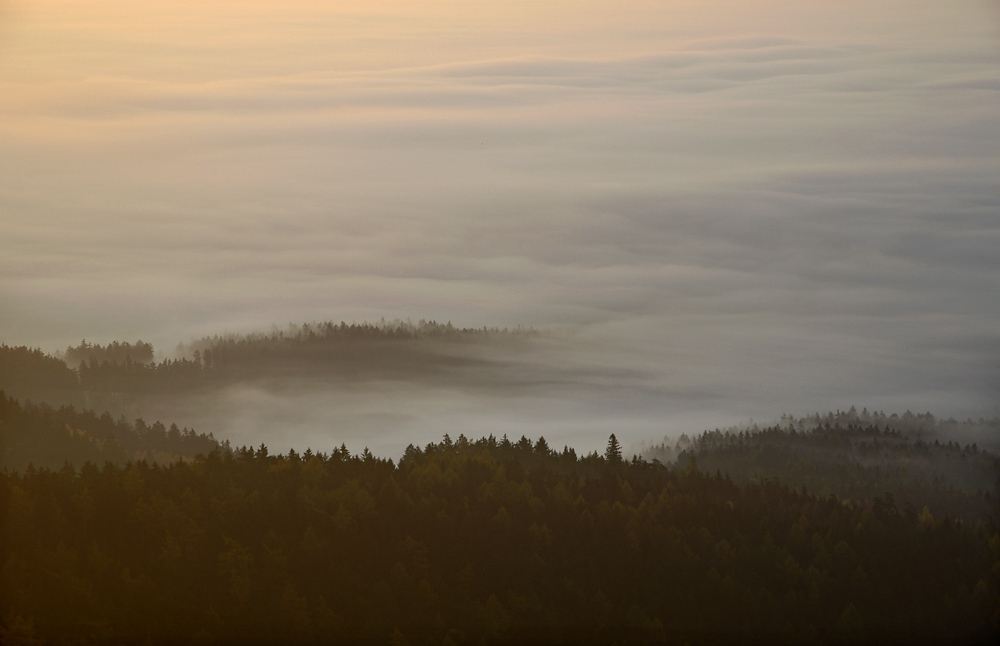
722	209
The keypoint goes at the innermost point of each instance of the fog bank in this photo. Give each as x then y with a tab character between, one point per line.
720	209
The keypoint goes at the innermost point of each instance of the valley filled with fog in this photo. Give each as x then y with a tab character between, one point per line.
477	322
383	386
540	386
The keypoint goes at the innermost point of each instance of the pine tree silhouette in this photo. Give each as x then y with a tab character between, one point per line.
614	451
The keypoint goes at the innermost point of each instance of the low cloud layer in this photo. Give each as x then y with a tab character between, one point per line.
779	212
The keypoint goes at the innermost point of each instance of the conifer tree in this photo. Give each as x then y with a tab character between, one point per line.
614	451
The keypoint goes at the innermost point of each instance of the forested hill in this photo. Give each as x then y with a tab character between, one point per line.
30	374
355	351
475	542
40	436
122	377
842	455
328	333
834	529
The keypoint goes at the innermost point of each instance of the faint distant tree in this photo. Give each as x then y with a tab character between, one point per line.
614	451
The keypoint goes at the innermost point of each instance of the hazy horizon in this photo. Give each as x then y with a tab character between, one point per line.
716	210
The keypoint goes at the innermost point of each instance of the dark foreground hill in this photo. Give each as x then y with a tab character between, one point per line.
474	542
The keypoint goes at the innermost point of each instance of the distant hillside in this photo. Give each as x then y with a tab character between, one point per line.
30	374
329	333
356	351
44	437
842	455
122	377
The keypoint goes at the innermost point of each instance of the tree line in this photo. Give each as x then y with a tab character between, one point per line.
115	352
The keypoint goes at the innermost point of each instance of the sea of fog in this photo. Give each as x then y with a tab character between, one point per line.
573	389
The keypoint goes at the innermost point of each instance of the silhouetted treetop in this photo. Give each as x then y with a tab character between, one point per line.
614	451
114	352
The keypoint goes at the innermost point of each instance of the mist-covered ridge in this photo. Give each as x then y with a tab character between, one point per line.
917	459
124	378
42	437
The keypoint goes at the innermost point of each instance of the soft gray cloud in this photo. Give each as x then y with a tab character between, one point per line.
759	214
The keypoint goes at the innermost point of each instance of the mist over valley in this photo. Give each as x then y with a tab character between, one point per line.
468	322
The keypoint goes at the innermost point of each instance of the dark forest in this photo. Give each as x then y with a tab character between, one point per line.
843	528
